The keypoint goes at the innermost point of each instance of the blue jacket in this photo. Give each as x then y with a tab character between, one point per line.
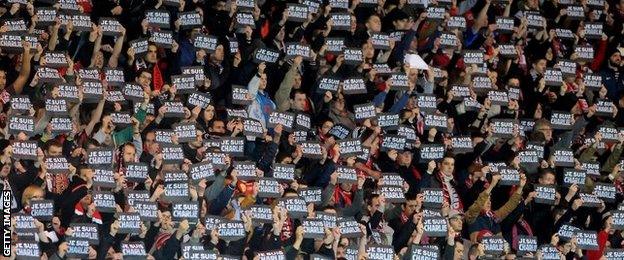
261	105
613	82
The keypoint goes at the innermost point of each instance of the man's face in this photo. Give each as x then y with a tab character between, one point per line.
54	150
299	101
219	54
218	127
448	166
615	59
326	127
401	24
540	66
410	207
145	79
456	224
152	54
374	205
263	82
459	251
87	173
547	179
150	143
546	130
374	24
513	82
405	158
297	81
129	153
220	6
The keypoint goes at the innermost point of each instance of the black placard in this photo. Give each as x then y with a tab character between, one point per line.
78	248
504	24
527	244
296	206
140	46
435	226
353	56
294	49
430	152
104	201
199	99
529	158
587	239
162	38
339	131
382	69
400	81
129	223
408	132
137	172
201	170
435	121
349	147
433	197
240	95
605	191
57	165
231	230
584	53
284	172
562	120
393	194
424	253
563	33
393	142
46	16
553	77
233	145
133	92
286	119
110	26
312	149
493	245
313	228
380	41
456	22
42	210
25	150
217	160
353	86
134	196
592	81
498	97
509	176
349	228
427	103
186	210
185	84
269	188
266	55
535	20
567	67
206	42
172	154
448	40
545	194
190	19
252	127
174	109
436	13
364	111
297	12
177	191
311	194
462	144
92	90
86	231
564	157
244	19
261	214
341	21
347	175
49	75
335	45
104	178
100	156
388	121
55	60
473	57
211	221
186	132
613	254
572	176
197	71
147	210
328	84
133	250
158	18
593	30
246	170
380	252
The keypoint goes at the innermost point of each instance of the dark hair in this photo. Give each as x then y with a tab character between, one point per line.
294	92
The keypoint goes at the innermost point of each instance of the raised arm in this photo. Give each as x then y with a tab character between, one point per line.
114	59
20	82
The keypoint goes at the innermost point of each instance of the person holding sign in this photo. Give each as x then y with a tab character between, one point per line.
262	105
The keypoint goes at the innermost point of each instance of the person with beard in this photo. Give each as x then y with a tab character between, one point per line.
611	74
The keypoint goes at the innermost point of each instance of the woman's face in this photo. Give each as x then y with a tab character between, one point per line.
326	127
209	113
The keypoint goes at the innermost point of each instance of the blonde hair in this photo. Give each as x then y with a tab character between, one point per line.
29	192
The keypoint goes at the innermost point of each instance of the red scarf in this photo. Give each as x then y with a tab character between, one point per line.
342	197
514	232
158	78
448	191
